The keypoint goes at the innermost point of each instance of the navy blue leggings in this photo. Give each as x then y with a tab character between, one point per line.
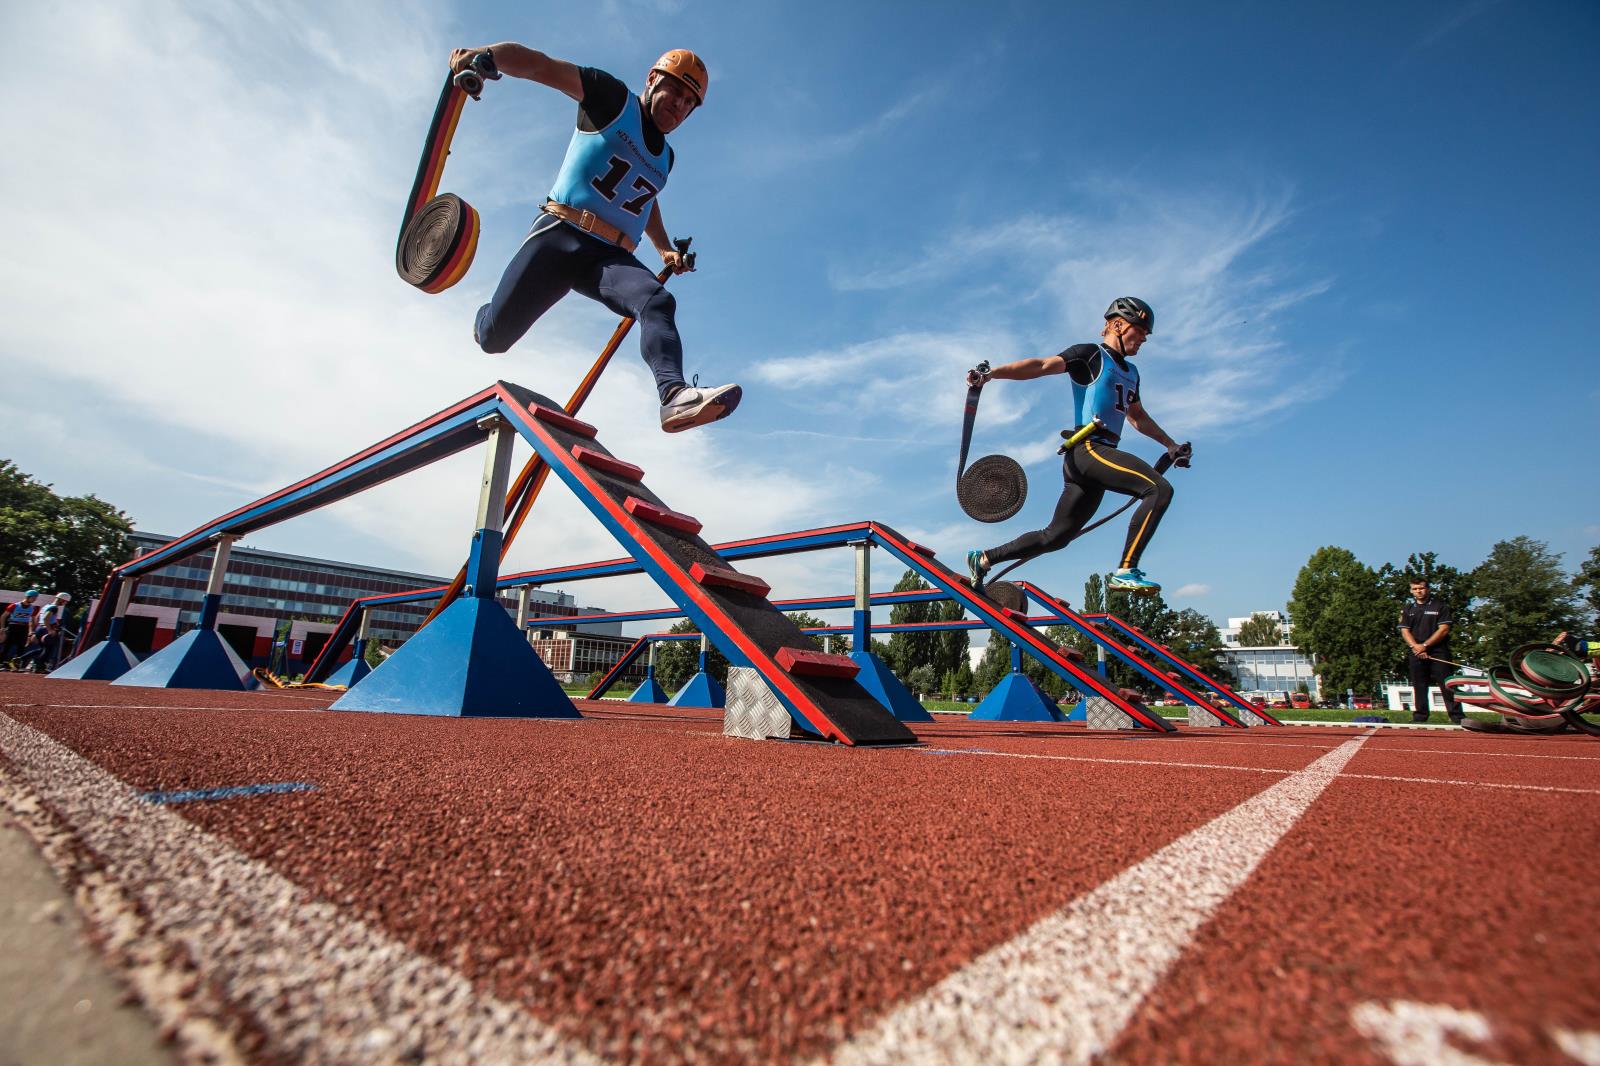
558	258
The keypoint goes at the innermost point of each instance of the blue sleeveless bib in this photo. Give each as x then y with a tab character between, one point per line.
1107	397
611	173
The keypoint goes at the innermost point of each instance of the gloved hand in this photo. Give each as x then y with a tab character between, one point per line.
1181	454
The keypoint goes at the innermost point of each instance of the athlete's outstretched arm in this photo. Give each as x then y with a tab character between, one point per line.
520	61
1140	420
1025	369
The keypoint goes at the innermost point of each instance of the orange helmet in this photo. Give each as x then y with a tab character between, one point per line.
687	68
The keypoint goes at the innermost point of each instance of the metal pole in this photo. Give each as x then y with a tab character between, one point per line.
212	605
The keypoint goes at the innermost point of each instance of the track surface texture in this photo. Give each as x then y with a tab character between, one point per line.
277	882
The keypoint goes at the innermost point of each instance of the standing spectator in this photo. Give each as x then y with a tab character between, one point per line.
58	641
1425	627
19	626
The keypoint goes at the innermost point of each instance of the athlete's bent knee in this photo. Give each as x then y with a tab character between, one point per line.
1162	492
662	305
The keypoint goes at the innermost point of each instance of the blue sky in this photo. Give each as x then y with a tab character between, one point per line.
1369	233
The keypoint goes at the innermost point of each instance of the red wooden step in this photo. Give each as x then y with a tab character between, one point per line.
725	578
646	511
609	463
1015	616
563	421
920	549
815	663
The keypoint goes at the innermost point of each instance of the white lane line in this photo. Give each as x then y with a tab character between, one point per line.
1210	740
1066	988
321	986
1092	759
1424	1034
158	707
1473	784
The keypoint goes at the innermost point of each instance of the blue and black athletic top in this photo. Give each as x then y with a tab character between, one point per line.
1104	385
618	161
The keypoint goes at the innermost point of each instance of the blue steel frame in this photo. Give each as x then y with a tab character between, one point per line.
1067	615
1138	637
641	644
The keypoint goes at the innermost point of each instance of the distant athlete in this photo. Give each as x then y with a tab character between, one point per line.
604	199
1105	386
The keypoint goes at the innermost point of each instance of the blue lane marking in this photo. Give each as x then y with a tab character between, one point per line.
199	794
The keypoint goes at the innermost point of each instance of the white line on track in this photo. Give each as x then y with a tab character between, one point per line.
1095	759
1473	784
321	986
1209	741
1066	988
158	707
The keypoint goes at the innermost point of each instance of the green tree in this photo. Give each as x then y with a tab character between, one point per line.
1153	617
59	543
1523	596
1260	631
1342	618
1587	583
907	651
994	665
1196	640
922	681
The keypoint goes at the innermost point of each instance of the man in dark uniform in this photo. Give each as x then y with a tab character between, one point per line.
603	201
1425	627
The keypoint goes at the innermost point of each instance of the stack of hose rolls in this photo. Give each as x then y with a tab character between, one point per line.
1541	683
439	235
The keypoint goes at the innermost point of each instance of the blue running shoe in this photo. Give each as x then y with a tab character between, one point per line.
1132	579
977	569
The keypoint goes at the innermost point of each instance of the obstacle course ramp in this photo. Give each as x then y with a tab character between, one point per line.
1063	610
1244	710
732	609
1013	625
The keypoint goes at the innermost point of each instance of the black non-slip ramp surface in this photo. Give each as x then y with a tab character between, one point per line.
743	623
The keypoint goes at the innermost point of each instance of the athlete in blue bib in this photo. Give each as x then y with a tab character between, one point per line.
603	201
1105	386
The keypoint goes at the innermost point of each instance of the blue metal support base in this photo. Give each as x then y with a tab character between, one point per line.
649	690
198	659
880	682
350	673
1017	699
469	663
1080	711
106	661
701	690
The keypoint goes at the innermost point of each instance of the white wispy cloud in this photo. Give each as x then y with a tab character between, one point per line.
1192	589
212	200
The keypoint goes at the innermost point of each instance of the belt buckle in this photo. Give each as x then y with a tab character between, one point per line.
586	221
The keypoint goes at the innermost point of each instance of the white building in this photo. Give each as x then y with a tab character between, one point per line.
1269	668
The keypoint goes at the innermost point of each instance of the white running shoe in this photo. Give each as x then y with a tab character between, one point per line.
693	406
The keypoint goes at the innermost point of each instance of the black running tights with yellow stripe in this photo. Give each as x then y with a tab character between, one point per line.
1091	470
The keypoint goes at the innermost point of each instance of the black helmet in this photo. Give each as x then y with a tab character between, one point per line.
1133	310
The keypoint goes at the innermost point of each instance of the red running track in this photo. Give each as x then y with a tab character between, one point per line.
637	887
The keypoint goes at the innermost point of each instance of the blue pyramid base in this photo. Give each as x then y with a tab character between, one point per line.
649	691
1017	699
350	673
106	661
198	659
1080	711
879	680
701	690
470	662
